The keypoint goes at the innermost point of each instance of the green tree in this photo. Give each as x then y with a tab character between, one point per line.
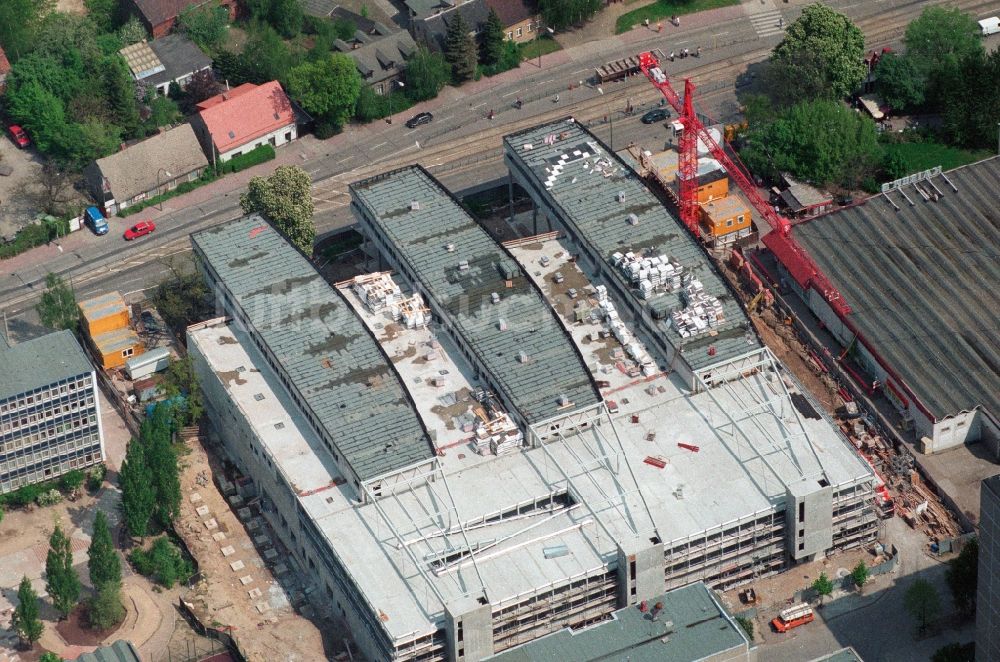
955	653
105	13
61	580
286	17
265	57
163	111
131	32
119	91
105	609
180	378
138	490
962	577
823	586
25	619
823	142
460	49
157	435
426	74
41	113
561	14
747	626
491	47
972	114
860	575
937	42
922	602
163	562
829	39
19	19
328	89
205	24
103	563
899	82
57	308
284	198
49	656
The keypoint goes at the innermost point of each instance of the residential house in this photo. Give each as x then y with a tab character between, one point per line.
245	117
520	18
106	323
378	51
146	169
49	411
4	70
171	59
159	16
429	19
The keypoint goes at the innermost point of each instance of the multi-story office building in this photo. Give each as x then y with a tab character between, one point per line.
49	411
988	591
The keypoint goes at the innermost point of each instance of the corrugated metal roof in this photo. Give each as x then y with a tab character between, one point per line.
105	305
692	626
117	340
120	651
924	283
420	236
587	197
326	351
39	362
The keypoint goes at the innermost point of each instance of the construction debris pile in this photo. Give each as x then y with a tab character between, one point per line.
377	290
411	312
607	313
701	313
496	432
650	274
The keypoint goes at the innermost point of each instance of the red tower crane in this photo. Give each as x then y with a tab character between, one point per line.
799	264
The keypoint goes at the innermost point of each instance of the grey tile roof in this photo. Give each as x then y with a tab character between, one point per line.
420	237
589	206
380	57
329	356
923	283
136	168
39	362
435	27
120	651
179	55
698	629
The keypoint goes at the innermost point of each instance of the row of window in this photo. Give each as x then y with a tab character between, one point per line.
44	394
532	26
42	440
13	477
47	416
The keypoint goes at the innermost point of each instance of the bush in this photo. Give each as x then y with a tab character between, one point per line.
207	177
256	156
31	235
72	480
49	498
105	609
163	563
23	496
95	477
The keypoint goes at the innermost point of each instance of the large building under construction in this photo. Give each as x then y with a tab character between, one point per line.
475	450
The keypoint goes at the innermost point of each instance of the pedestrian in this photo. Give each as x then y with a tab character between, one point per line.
781	22
659	26
646	22
671	56
698	53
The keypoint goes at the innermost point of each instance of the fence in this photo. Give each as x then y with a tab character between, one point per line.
227	640
846	583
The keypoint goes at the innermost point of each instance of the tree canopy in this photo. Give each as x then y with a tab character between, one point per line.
285	198
61	580
57	308
460	49
561	14
823	586
973	112
936	43
922	602
328	88
832	46
25	620
425	74
899	82
138	491
491	47
19	20
103	562
822	142
205	24
962	577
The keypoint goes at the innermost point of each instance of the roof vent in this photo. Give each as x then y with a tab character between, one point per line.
633	219
563	400
276	116
522	357
502	324
231	135
495	297
463	265
450	248
414	205
621	196
258	396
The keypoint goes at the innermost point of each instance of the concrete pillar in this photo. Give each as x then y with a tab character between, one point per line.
469	629
809	518
640	571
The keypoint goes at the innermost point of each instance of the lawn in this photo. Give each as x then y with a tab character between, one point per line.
664	9
926	155
542	45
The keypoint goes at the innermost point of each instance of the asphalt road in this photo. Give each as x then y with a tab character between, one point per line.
462	146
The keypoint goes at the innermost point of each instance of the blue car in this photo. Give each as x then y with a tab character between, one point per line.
95	219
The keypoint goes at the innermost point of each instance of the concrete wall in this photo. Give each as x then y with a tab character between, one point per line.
640	572
276	138
469	629
809	517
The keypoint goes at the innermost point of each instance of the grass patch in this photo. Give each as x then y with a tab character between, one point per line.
541	46
925	155
664	9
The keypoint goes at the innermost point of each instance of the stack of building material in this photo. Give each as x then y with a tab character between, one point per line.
701	314
412	312
650	274
376	290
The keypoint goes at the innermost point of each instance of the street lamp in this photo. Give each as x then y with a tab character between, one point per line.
169	176
388	120
550	32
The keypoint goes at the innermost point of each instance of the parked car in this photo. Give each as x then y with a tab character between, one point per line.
418	119
95	219
150	323
140	229
18	135
654	116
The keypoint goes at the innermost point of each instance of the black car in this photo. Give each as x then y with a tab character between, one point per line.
654	116
418	119
150	323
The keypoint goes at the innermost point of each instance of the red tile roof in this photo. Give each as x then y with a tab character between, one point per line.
245	113
4	63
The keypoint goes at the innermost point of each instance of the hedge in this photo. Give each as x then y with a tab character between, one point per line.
34	234
185	187
256	156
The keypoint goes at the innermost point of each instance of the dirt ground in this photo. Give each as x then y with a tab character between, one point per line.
249	600
16	206
71	6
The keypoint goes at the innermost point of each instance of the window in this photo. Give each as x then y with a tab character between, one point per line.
529	26
235	154
288	136
519	32
739	219
127	352
729	222
510	35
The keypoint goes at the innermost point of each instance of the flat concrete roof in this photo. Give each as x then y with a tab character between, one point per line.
420	235
923	282
582	178
330	358
693	625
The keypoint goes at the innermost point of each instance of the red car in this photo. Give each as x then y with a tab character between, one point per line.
140	229
18	135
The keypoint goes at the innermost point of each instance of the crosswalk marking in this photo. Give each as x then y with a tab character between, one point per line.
766	23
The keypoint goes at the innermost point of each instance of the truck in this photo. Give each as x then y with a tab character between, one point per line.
793	617
95	219
990	25
621	69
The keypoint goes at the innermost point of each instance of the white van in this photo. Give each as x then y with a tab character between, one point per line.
990	25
